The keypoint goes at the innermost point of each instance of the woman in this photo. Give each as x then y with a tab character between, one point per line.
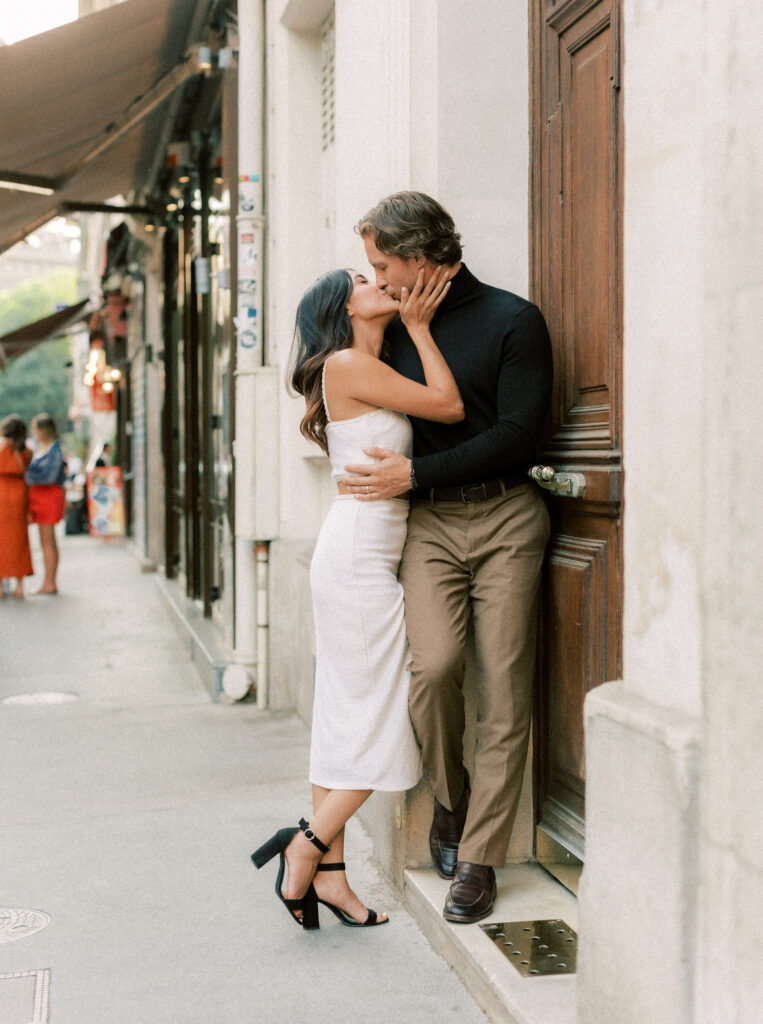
362	738
15	554
47	503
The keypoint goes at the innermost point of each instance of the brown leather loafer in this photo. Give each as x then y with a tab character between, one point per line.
445	834
472	894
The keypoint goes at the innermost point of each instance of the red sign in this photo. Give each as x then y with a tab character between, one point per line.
103	398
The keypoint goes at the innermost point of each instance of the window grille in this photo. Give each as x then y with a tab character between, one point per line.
328	61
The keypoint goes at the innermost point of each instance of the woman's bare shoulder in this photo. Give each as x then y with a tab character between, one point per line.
351	357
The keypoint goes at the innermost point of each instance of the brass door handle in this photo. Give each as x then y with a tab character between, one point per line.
566	485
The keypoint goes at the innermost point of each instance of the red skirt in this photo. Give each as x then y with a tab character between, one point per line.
46	504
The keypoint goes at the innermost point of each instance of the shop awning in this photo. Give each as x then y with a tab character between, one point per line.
17	342
84	105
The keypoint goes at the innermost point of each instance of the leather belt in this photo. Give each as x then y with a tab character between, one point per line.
470	493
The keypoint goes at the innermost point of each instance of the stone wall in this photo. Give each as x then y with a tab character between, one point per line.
671	902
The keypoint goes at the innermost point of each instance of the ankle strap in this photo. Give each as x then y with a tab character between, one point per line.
337	866
312	837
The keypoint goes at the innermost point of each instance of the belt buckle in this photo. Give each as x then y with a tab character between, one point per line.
473	487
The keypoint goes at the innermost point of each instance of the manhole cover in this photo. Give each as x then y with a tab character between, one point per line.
17	924
40	698
536	947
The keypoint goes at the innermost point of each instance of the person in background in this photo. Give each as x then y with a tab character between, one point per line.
104	459
15	554
45	477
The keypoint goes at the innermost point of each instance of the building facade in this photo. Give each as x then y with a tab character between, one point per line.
602	158
594	156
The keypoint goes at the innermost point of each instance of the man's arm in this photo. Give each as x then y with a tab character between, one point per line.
523	392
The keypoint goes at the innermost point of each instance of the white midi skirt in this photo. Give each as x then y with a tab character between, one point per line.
362	736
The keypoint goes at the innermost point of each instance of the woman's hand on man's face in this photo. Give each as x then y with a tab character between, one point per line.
419	306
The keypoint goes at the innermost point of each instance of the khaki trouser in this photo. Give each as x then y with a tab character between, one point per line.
480	561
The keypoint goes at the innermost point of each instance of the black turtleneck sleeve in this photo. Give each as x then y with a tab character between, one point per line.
497	347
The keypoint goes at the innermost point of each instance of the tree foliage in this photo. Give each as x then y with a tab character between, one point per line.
38	381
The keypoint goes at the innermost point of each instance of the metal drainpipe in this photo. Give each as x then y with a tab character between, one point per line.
250	620
263	623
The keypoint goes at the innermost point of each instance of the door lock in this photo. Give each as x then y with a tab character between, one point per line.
566	485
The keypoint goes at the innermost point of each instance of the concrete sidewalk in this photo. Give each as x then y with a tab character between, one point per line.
128	816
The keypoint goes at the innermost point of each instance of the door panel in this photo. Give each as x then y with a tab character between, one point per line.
173	442
576	274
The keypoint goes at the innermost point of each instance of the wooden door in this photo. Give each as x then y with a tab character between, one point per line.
577	282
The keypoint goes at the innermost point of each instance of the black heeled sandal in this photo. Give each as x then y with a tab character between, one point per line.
277	844
345	919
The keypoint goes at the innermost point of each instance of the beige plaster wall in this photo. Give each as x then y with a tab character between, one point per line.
415	108
729	982
674	863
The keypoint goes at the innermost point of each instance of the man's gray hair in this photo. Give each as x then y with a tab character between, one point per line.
411	224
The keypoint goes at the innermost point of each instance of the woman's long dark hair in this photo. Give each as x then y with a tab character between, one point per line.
323	326
14	428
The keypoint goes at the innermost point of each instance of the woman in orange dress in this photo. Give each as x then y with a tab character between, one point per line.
15	555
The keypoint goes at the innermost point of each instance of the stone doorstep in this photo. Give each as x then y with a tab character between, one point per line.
525	892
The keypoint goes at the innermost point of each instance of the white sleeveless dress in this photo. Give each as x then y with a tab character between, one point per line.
362	736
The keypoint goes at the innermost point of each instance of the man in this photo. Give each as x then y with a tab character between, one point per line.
476	535
104	459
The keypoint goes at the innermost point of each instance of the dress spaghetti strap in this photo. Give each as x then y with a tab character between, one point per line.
323	391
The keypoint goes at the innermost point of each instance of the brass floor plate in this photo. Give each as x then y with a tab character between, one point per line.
536	947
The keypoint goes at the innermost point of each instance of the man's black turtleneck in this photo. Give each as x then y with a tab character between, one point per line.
497	347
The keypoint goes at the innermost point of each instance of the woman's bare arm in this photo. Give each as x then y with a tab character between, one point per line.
361	376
